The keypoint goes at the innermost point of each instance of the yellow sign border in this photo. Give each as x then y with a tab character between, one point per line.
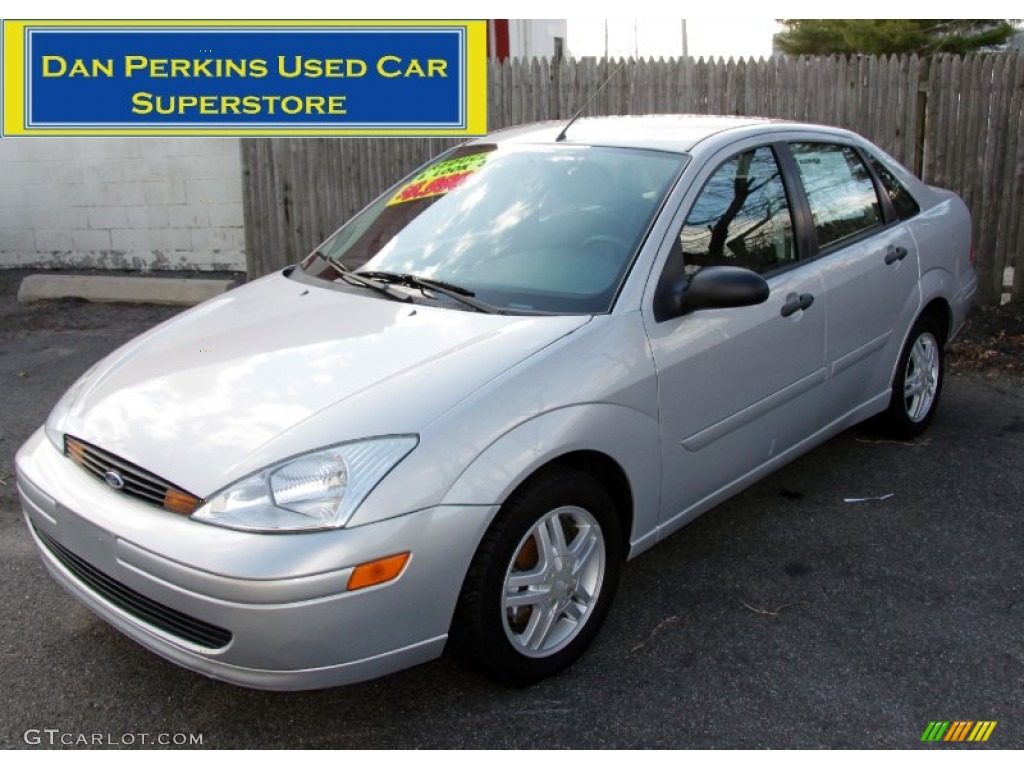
14	78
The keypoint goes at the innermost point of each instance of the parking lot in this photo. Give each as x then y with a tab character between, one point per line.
788	617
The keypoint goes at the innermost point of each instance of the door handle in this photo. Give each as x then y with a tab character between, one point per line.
895	253
796	304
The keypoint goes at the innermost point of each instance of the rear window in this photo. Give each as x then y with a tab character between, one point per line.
839	189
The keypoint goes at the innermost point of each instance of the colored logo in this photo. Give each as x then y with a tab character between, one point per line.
958	730
114	479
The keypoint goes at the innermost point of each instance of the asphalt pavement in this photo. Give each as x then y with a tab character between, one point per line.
785	618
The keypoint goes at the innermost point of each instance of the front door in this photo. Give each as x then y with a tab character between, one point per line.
737	387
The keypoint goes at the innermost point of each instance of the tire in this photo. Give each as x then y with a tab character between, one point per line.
542	580
918	381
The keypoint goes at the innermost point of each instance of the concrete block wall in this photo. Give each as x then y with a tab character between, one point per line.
121	203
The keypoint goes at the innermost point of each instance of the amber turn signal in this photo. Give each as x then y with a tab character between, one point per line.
75	450
180	502
377	571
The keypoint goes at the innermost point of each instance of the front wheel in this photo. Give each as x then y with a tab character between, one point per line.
918	381
542	580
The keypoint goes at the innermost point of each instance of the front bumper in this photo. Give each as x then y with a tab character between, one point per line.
279	599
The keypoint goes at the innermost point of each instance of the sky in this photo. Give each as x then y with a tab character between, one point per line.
724	30
654	37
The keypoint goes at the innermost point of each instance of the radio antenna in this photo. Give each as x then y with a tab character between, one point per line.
561	136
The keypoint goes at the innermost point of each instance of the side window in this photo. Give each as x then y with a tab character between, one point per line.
839	190
904	203
741	217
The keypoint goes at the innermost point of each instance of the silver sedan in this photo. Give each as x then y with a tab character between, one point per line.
524	364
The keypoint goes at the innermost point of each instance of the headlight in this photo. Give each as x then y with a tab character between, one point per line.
314	491
54	426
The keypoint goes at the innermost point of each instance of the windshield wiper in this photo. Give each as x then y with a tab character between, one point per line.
353	278
456	292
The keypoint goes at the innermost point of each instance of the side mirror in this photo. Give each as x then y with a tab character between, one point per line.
711	288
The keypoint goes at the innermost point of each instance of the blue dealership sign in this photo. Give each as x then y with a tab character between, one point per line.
245	78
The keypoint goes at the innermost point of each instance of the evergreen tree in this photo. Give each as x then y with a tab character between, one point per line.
885	36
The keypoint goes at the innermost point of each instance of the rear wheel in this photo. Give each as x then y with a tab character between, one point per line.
543	579
918	381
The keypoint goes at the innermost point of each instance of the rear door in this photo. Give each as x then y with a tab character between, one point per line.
868	262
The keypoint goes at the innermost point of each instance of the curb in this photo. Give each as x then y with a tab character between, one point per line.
134	290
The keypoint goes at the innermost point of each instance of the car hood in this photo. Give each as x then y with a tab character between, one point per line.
279	367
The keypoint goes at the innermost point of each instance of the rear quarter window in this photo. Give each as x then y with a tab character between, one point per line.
902	201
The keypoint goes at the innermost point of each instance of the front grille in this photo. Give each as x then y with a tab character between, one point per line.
138	482
171	621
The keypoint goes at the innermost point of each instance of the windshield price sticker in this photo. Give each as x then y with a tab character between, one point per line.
440	179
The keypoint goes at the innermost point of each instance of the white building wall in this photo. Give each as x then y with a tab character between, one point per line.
535	38
121	203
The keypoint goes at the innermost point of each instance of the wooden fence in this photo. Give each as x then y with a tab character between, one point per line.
956	122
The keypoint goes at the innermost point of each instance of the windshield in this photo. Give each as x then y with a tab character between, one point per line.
521	228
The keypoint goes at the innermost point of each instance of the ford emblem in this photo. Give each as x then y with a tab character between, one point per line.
114	479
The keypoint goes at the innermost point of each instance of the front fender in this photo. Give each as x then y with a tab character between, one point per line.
627	436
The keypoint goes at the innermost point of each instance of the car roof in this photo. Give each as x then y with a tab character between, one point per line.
675	133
